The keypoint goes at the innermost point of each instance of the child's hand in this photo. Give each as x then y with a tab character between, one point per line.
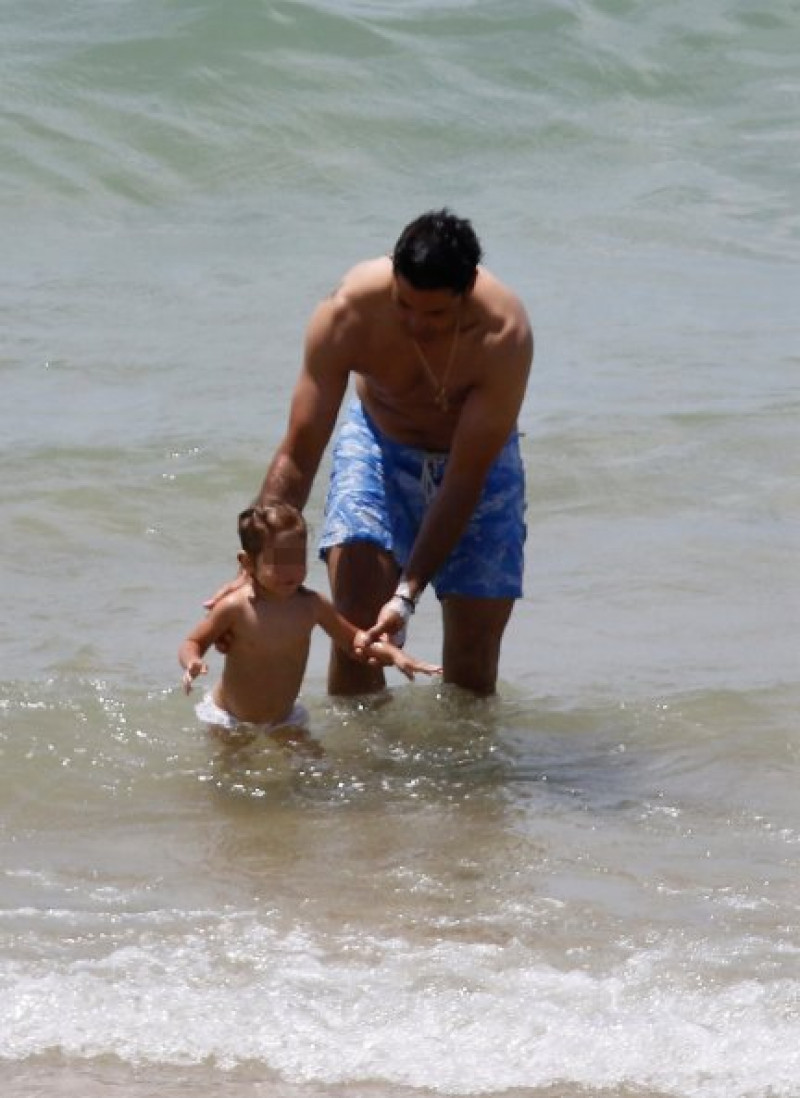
362	644
410	666
367	651
383	653
195	668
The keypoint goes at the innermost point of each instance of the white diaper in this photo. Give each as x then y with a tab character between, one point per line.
210	713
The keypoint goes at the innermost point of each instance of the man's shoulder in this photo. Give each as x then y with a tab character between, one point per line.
506	319
370	274
347	313
364	284
500	300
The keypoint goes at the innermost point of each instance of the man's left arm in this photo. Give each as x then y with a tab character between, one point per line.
486	422
487	419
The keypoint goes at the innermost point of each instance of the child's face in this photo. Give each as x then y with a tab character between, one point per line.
280	567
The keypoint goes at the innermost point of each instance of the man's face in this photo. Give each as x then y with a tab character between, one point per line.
425	314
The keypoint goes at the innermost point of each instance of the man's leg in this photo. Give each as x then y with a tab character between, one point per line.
473	634
362	578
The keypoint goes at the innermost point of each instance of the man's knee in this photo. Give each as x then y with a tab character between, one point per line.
478	679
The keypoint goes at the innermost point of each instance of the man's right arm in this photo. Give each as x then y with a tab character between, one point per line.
318	394
315	405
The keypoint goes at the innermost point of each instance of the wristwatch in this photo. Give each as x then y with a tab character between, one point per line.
403	591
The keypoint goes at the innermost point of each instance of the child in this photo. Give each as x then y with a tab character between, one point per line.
267	625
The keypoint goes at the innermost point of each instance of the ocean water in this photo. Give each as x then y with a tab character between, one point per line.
586	887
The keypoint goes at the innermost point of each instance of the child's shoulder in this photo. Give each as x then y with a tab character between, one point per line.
306	596
234	601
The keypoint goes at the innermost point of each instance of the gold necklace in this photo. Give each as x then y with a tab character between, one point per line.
440	387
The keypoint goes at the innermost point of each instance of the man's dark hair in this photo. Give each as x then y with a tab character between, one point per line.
438	251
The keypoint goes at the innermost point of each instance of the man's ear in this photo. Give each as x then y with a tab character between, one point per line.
245	562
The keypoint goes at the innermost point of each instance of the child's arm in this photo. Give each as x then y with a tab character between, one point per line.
197	643
387	654
356	643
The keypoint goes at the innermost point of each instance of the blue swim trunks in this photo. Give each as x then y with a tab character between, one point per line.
380	490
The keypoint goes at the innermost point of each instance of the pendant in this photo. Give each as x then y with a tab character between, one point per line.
440	397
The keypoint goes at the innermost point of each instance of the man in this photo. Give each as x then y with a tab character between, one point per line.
427	483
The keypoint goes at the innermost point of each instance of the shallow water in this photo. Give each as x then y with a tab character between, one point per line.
583	888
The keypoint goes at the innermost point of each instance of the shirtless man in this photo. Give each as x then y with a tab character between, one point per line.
427	483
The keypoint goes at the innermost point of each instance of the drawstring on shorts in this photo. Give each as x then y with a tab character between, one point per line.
431	474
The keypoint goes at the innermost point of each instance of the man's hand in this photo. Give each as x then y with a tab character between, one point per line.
227	589
365	651
391	621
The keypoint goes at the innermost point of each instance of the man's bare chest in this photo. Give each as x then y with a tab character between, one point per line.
410	373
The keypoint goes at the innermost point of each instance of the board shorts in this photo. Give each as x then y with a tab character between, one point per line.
210	713
380	491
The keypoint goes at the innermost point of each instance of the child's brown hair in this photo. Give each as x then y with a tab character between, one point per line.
259	525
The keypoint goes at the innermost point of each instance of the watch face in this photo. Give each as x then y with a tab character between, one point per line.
404	591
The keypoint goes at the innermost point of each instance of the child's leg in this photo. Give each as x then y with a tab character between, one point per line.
232	737
293	734
293	738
